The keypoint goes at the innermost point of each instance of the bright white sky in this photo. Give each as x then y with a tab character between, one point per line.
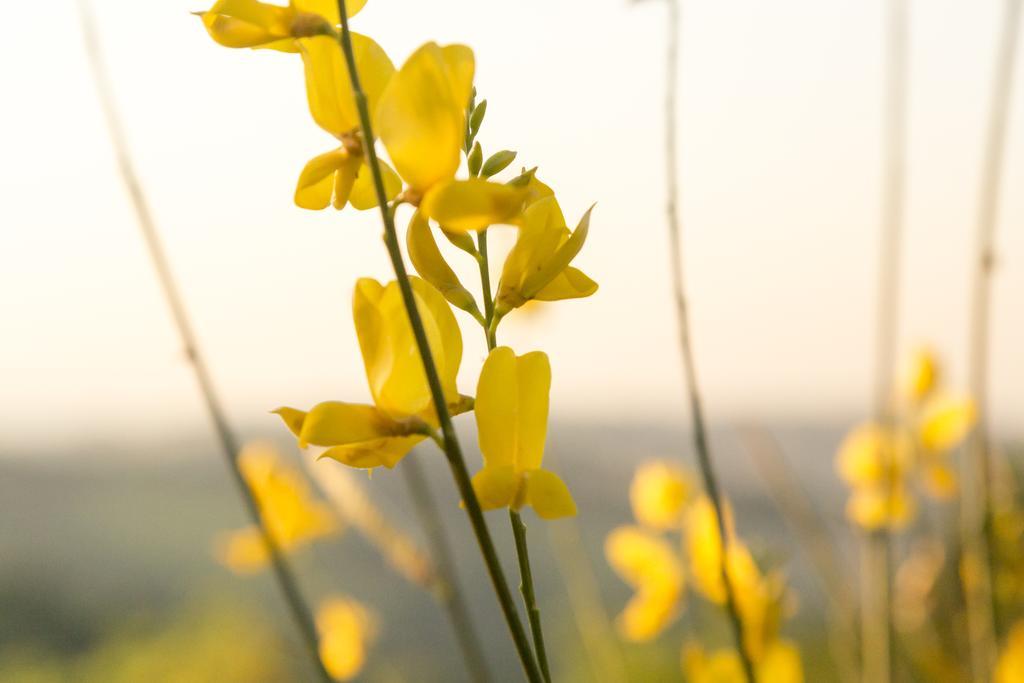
780	157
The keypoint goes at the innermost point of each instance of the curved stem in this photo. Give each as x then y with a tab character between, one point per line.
229	442
518	527
703	449
452	447
976	502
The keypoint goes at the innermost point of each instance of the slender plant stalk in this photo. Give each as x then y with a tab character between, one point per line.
815	538
452	448
876	578
447	589
976	504
685	345
228	440
515	519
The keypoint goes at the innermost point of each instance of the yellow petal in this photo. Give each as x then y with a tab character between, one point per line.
328	9
364	194
242	551
496	486
875	508
657	494
421	114
870	454
328	89
346	629
447	352
383	452
1011	659
326	176
647	614
945	421
537	280
571	283
920	375
512	408
430	264
643	559
333	423
548	495
246	23
474	204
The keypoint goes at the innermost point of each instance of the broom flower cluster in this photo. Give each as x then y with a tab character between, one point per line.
676	544
884	464
425	117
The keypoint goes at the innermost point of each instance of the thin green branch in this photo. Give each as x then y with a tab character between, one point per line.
976	503
703	449
228	440
452	447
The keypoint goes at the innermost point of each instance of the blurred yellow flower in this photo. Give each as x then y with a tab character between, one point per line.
945	421
382	434
920	375
779	664
289	511
760	599
658	493
421	119
649	564
1010	667
511	417
538	267
250	23
347	628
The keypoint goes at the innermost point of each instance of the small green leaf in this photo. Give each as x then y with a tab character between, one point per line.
462	240
523	179
497	162
475	159
477	118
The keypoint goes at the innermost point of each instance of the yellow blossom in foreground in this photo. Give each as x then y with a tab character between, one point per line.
250	23
649	564
657	494
538	267
347	628
382	434
340	176
779	664
511	417
421	119
290	513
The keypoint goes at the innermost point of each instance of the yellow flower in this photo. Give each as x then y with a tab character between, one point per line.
340	176
250	23
648	563
290	513
382	434
538	267
347	628
780	664
658	493
421	119
760	599
511	418
430	264
876	462
1010	667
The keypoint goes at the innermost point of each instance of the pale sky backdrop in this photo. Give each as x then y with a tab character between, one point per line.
780	154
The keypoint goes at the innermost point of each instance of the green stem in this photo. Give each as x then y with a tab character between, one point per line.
685	345
448	593
452	447
229	442
518	528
